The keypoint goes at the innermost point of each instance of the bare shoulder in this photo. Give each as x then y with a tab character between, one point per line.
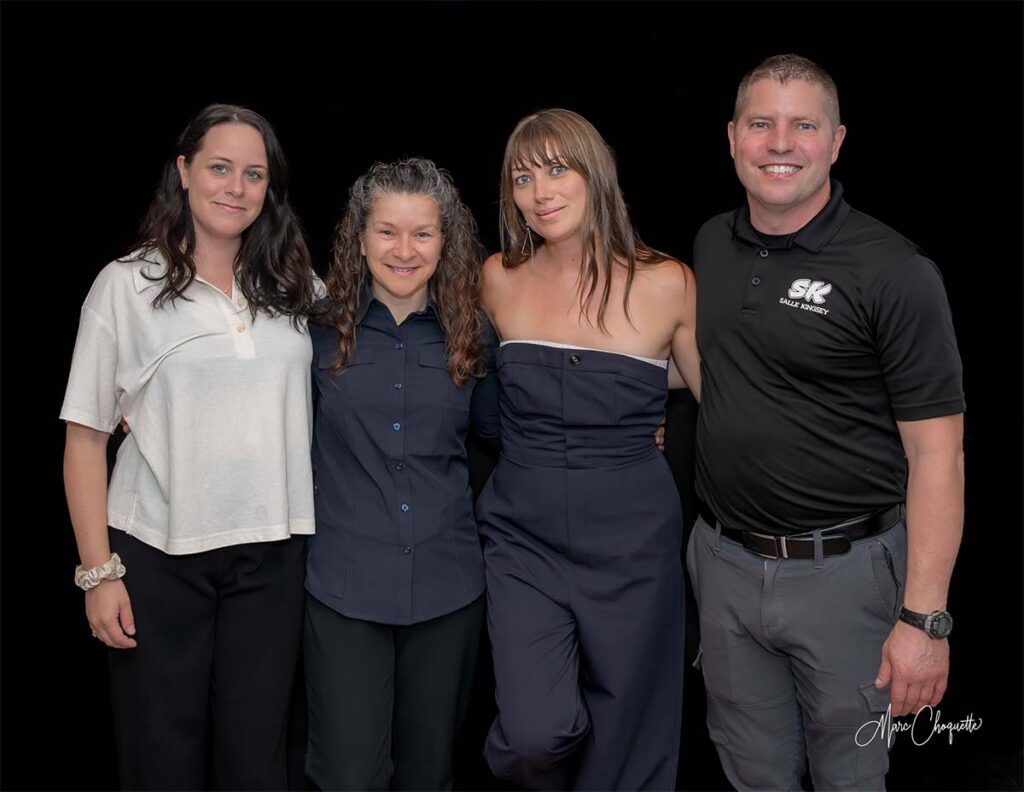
670	278
494	272
493	266
492	282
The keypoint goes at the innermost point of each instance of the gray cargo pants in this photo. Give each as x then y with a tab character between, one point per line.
790	650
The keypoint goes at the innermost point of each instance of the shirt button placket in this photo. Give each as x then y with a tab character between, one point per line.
399	431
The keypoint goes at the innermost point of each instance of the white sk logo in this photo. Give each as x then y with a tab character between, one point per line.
810	290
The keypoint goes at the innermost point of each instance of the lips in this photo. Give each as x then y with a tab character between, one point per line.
229	208
780	169
401	271
547	214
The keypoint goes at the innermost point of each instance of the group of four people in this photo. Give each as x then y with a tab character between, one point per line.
827	372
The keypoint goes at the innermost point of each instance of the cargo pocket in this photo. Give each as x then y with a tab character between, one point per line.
714	716
872	737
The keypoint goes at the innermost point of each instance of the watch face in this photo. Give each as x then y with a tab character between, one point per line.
939	624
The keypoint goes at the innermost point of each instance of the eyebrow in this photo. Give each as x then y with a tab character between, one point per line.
804	117
232	162
415	228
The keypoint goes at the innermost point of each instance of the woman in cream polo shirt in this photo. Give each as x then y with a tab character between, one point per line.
198	340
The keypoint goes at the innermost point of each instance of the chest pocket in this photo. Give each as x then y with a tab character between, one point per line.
354	387
434	400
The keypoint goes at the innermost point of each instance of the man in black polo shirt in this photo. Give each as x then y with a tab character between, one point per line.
831	397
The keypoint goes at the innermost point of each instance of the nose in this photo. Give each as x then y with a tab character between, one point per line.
542	191
236	184
403	249
781	139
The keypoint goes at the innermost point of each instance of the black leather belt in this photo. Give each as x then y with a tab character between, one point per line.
835	540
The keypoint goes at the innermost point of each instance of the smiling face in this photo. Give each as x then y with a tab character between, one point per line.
226	182
552	197
783	146
402	244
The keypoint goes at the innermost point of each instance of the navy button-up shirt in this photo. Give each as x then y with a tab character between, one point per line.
396	538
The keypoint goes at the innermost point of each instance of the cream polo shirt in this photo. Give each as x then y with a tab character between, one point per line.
218	405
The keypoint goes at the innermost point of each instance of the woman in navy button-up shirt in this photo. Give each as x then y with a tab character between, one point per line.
395	572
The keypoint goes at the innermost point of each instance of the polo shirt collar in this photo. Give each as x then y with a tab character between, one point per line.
150	272
813	236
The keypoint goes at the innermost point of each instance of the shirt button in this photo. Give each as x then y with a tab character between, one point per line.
756	281
397	386
396	426
399	345
574	359
399	467
405	507
764	253
406	550
239	328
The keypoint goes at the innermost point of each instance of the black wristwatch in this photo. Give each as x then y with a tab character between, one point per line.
937	624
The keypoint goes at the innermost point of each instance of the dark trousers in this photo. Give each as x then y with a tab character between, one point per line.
585	614
386	702
209	684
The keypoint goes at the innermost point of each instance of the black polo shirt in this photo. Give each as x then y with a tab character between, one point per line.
396	538
812	346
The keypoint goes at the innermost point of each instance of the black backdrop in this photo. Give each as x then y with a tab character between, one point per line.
94	95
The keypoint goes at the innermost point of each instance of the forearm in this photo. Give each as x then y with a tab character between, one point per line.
935	504
85	484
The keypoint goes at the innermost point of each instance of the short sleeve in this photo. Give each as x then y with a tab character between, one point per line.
916	344
91	397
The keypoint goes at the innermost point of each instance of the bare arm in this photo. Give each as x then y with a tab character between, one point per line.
675	378
85	483
685	356
918	666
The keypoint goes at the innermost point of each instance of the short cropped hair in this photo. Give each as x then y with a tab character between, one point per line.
785	68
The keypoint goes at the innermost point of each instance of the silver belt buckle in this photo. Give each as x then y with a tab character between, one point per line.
777	541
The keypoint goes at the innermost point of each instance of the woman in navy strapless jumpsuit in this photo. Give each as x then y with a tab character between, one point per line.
581	519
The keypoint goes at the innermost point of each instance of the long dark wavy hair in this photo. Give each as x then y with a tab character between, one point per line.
273	266
454	287
562	137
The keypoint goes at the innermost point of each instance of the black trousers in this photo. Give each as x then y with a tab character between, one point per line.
209	684
386	702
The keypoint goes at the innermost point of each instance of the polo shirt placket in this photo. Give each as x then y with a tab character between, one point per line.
237	318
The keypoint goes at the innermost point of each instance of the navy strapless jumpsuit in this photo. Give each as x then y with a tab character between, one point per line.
582	530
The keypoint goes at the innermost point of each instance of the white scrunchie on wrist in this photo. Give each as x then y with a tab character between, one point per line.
86	579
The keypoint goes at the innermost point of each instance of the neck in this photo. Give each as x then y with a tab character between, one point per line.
776	222
563	252
216	257
401	307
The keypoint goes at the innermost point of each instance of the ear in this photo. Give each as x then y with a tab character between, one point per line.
731	129
362	244
837	141
182	171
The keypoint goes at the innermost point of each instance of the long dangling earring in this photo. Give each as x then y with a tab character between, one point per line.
528	239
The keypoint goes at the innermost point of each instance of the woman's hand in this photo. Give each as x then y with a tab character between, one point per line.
659	435
109	611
